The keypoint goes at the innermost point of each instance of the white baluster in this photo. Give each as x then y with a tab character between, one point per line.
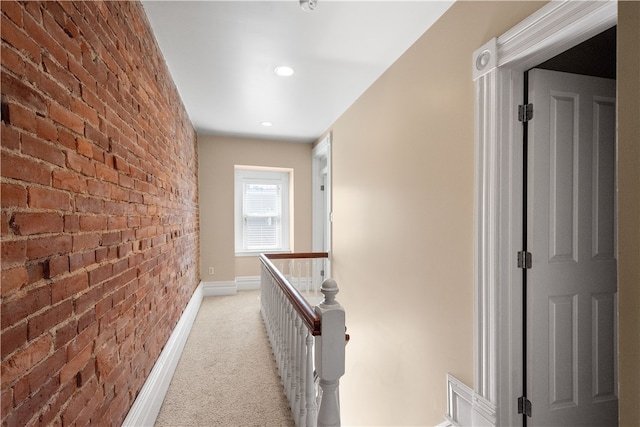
330	354
310	386
303	373
296	356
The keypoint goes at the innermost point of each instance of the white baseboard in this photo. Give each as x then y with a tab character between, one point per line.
147	405
465	407
248	283
216	289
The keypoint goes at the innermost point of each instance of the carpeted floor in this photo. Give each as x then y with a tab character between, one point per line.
226	375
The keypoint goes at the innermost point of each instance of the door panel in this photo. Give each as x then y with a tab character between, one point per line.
571	324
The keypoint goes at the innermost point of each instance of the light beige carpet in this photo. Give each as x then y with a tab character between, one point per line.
226	375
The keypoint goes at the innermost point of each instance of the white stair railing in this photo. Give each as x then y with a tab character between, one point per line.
308	343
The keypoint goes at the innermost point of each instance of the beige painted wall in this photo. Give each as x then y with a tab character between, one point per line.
217	157
403	191
629	210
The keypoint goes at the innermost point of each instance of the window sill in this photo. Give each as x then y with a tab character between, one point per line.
257	253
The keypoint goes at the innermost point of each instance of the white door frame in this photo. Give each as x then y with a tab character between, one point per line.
321	164
498	69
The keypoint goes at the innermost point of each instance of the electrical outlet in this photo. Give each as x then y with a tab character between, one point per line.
211	270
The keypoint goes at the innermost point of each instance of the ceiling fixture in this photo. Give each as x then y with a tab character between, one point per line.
283	71
266	124
308	5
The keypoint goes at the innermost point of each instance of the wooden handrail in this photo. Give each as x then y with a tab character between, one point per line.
303	255
307	313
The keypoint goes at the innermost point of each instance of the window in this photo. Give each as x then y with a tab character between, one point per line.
262	210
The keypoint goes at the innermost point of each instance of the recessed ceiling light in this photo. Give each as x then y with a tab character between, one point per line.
266	124
283	71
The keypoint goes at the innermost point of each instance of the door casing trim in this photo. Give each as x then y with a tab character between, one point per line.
498	69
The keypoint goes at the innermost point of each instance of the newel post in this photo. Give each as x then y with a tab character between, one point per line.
330	350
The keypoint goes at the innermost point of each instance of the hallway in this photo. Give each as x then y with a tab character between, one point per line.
226	375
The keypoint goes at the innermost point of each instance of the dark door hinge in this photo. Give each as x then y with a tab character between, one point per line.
524	406
322	188
525	112
524	259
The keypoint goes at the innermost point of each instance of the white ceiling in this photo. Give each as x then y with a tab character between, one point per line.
222	54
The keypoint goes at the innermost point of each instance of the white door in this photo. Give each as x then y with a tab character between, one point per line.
572	285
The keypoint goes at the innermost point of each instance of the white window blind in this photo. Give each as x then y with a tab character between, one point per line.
262	211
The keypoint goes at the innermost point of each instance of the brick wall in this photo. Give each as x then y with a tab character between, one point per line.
99	210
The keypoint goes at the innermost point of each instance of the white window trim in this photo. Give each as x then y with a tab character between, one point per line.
284	175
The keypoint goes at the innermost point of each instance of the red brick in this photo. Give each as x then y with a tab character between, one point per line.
38	148
28	223
50	413
126	181
49	319
83	339
22	117
89	411
67	139
32	382
81	260
27	410
100	274
56	266
13	279
46	129
69	180
69	286
35	271
11	60
56	30
47	246
117	223
25	359
16	38
106	173
13	252
85	111
13	11
48	85
44	39
13	338
22	93
66	118
85	147
10	136
78	401
46	198
86	320
81	74
119	120
6	395
75	365
83	242
99	188
13	195
65	333
89	204
88	299
71	223
93	223
25	169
